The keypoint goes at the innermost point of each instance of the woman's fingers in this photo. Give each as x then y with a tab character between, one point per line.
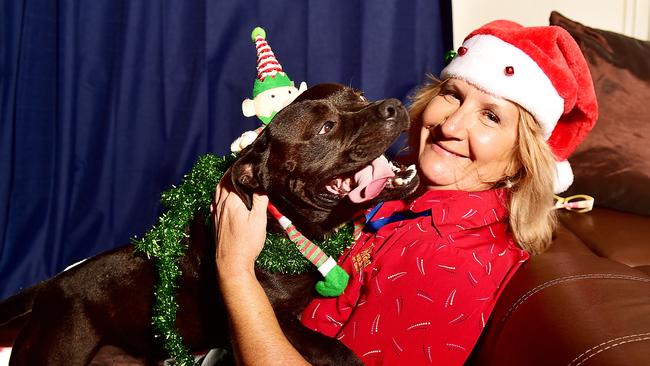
258	211
260	204
239	232
219	191
217	206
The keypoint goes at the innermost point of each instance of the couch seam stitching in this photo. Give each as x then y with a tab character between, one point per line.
646	336
556	281
603	343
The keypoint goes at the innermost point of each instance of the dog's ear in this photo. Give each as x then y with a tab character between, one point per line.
319	91
248	172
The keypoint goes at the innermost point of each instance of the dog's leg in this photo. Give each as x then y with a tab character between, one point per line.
317	348
113	356
14	313
52	341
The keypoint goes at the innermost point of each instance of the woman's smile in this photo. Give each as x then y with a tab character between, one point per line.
442	150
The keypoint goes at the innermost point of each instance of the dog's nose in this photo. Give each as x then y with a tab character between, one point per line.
389	107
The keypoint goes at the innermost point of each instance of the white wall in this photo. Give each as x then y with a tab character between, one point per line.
630	17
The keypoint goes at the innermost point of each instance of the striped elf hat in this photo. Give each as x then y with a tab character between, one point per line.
543	70
269	70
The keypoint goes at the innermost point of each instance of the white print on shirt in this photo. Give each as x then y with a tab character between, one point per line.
450	299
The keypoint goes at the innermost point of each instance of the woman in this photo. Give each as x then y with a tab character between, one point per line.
492	141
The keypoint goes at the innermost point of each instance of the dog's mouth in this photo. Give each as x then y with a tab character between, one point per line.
371	180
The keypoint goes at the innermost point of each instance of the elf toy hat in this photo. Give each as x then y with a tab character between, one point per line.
269	70
543	70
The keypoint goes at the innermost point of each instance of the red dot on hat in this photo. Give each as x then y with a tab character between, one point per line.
462	51
509	71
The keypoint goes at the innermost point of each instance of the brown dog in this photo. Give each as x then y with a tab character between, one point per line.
306	161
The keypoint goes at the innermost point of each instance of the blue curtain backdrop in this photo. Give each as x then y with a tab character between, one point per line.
106	103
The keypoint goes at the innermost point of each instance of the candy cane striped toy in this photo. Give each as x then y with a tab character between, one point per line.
335	278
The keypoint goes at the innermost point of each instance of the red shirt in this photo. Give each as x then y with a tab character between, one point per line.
421	290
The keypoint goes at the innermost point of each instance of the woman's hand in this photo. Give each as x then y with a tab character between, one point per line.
239	232
240	236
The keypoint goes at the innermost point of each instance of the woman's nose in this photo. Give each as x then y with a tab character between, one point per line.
455	124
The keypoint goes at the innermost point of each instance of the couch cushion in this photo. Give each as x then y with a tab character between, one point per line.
565	241
613	163
644	269
619	236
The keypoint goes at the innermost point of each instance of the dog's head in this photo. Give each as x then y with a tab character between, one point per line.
321	159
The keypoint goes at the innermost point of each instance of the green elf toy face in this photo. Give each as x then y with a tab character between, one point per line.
269	102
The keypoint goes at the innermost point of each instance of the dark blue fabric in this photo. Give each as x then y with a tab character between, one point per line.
372	226
106	103
373	211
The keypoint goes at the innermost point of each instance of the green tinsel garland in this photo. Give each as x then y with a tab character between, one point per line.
164	244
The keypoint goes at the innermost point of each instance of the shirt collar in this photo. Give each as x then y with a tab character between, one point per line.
453	211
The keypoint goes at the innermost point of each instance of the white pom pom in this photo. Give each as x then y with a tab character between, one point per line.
563	176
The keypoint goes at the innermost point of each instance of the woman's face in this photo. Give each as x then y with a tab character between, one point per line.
467	138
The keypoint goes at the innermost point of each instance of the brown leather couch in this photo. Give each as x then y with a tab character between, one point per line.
586	301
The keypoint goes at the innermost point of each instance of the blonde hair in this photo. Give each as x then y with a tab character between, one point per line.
530	185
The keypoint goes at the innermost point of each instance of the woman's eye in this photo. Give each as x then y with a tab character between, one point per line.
327	127
492	117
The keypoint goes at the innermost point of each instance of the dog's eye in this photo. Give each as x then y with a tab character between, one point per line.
289	91
327	127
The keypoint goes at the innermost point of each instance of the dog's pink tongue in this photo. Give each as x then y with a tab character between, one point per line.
371	180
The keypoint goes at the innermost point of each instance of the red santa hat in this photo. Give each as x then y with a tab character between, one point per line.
543	70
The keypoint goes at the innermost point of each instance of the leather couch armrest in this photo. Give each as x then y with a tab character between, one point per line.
569	306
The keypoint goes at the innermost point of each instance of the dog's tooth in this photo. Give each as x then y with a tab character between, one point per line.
398	181
411	173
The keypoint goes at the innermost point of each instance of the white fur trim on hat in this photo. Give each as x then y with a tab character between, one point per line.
563	177
484	64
